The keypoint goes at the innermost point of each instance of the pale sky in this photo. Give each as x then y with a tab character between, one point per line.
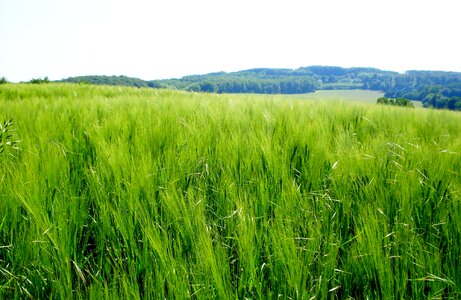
164	39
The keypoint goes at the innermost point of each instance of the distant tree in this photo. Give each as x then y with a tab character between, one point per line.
39	80
403	102
155	84
208	87
383	100
327	70
452	102
3	80
396	102
457	105
108	80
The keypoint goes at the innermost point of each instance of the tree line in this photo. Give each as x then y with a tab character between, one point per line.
434	88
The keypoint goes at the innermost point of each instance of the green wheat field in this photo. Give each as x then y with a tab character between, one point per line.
114	192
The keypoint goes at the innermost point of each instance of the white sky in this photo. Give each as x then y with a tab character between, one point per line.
172	38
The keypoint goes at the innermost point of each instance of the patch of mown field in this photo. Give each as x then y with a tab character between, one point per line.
140	193
365	96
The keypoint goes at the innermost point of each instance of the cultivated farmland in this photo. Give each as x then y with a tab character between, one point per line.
139	193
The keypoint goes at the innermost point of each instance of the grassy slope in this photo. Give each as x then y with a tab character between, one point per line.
365	96
131	193
346	95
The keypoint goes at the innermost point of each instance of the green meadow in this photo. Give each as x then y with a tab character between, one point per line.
365	96
345	95
138	193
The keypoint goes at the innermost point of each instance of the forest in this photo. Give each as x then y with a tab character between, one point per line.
434	88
